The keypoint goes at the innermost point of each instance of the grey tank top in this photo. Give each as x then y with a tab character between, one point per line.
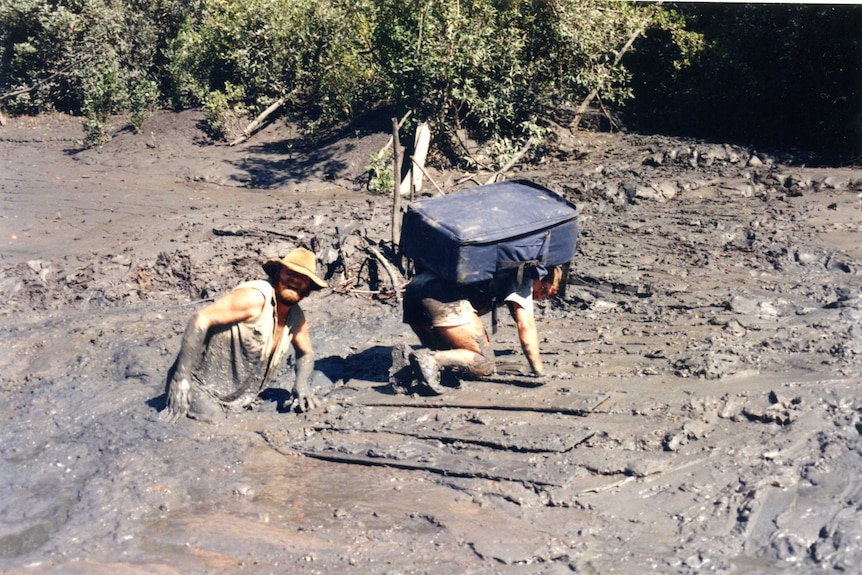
237	364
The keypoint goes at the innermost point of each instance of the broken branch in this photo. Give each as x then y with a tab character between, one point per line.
237	231
389	142
512	161
427	175
258	122
390	271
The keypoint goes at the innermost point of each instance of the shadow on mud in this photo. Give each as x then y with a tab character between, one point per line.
370	364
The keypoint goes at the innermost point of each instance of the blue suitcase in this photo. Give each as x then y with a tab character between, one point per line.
476	234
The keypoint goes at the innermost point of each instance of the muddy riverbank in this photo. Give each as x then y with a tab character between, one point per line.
703	412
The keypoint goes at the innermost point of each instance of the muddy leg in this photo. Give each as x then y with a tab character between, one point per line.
401	372
426	368
466	348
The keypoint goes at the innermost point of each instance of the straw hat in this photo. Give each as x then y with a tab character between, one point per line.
301	261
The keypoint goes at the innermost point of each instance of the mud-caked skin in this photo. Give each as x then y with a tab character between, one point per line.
401	375
426	369
231	348
446	317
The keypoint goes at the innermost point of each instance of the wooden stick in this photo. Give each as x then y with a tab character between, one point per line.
389	142
396	192
238	231
512	161
258	122
427	175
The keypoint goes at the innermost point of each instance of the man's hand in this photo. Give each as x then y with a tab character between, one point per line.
303	399
180	390
540	376
179	400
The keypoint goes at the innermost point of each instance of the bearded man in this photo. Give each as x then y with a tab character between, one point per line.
232	348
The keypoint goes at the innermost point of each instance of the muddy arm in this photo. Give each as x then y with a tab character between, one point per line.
235	306
528	334
303	398
179	387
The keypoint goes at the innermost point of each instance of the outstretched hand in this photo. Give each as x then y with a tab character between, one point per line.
540	377
303	398
179	400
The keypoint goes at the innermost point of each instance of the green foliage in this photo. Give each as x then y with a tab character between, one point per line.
143	98
217	111
88	57
493	67
490	67
311	51
381	178
101	90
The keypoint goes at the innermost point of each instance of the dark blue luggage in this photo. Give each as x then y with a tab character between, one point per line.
474	234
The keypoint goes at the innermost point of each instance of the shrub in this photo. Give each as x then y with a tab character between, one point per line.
88	57
493	67
312	52
490	67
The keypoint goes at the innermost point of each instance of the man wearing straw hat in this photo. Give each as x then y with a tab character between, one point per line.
232	347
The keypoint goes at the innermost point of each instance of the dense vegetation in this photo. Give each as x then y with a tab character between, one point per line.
492	69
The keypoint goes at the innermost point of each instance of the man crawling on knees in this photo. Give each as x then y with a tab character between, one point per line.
447	319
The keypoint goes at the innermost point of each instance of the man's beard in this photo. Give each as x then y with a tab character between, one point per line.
288	295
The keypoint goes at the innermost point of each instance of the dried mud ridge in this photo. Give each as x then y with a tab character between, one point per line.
703	413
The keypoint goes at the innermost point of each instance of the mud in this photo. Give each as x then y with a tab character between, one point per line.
702	412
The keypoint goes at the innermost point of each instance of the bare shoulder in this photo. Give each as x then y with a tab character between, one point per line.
238	305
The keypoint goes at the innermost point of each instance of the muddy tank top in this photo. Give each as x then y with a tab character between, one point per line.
237	364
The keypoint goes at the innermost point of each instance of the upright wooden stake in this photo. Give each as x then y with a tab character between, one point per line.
396	192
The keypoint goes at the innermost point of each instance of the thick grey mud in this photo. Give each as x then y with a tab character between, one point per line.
702	412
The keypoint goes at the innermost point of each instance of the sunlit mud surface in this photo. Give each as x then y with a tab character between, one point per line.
703	413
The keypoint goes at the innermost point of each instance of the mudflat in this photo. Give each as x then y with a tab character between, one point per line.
702	413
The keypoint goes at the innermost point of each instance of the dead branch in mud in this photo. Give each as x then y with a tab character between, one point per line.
512	161
427	175
249	130
469	178
394	276
251	232
488	474
457	137
389	142
493	442
517	380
